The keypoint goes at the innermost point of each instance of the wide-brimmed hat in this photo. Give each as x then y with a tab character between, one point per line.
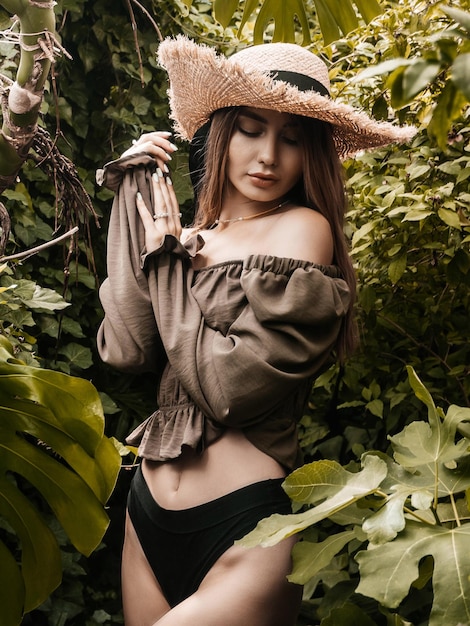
280	76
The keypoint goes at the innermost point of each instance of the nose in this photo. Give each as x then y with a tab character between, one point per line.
268	150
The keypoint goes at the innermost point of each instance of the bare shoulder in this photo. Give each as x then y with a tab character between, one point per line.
302	233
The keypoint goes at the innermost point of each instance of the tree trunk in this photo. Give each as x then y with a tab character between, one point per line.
22	99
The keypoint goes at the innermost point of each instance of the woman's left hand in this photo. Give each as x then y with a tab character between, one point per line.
156	144
164	217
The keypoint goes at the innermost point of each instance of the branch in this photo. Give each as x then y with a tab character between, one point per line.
43	246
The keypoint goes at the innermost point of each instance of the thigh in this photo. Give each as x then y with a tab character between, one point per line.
143	601
244	587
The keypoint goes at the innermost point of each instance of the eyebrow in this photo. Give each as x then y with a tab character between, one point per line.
259	118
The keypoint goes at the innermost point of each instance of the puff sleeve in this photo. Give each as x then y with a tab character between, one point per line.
128	337
285	332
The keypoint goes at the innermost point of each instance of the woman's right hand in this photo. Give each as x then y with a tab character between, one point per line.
163	218
157	145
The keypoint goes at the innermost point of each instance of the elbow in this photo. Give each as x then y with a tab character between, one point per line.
125	357
126	363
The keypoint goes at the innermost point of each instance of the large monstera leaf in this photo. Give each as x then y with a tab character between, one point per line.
335	17
51	439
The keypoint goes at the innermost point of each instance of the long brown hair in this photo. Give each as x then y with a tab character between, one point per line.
321	188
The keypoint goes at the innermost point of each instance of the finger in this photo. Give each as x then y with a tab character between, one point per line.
172	201
159	153
166	204
156	144
145	215
156	140
160	208
155	230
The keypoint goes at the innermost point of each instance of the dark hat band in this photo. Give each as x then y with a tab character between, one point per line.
301	81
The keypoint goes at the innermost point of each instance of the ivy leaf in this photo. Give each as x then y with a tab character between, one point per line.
45	299
387	571
344	489
78	355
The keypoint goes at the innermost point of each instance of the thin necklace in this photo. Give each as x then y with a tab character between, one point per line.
244	218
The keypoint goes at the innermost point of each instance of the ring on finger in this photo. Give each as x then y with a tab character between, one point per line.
159	216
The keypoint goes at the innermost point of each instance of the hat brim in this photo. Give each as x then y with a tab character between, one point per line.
202	81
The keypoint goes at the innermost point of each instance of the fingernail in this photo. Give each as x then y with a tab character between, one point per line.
169	181
173	146
168	156
155	177
139	195
159	172
166	132
165	168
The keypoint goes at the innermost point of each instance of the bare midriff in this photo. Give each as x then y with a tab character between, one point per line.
228	464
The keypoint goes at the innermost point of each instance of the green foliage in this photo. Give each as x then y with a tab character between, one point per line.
52	439
51	315
409	224
437	64
280	20
403	508
21	303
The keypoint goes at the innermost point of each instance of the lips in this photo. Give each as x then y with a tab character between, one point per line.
261	179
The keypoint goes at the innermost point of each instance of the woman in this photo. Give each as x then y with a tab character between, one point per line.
236	316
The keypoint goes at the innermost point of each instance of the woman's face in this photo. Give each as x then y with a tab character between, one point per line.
265	155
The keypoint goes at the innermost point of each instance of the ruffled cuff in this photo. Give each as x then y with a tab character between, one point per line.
173	245
112	173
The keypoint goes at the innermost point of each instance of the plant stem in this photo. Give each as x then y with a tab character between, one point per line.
454	508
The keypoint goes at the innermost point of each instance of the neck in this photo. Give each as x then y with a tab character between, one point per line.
250	216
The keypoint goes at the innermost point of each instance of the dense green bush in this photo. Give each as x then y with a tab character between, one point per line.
408	222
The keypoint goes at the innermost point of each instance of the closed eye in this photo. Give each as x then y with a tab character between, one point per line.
250	130
291	141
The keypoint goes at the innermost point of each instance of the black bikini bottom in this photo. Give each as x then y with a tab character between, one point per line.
181	546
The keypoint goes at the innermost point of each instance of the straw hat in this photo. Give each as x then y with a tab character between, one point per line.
280	76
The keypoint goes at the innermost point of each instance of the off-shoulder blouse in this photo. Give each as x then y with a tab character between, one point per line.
233	345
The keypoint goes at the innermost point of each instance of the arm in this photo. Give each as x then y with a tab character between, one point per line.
284	334
128	337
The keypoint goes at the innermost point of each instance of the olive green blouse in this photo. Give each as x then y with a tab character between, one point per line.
233	345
